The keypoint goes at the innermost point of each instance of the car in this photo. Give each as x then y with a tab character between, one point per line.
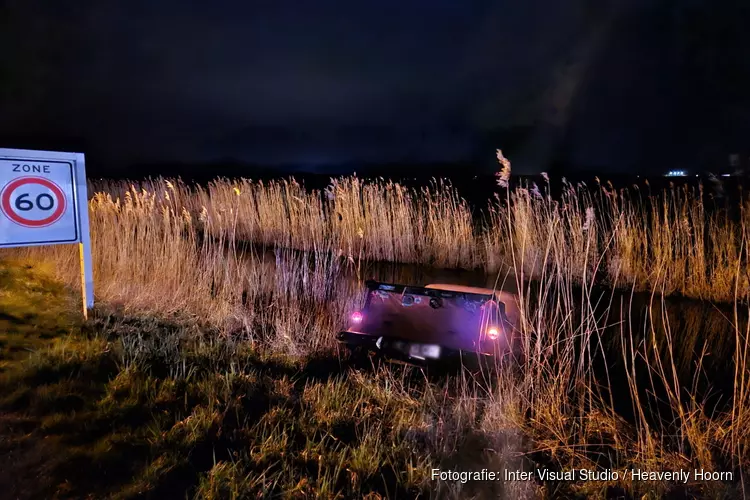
421	324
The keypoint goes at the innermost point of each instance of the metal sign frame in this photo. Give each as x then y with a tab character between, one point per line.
81	213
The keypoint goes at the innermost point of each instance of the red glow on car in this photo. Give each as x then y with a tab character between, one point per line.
493	333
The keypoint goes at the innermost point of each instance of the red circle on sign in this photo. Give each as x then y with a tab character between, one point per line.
17	218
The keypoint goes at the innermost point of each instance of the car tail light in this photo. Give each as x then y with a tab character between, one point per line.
493	333
357	317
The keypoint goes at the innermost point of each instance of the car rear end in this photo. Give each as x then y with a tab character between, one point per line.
419	324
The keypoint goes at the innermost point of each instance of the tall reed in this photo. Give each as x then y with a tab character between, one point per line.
564	390
633	237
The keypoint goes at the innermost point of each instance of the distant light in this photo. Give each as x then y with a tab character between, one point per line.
357	317
676	173
726	175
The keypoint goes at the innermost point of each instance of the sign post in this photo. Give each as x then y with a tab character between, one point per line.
44	201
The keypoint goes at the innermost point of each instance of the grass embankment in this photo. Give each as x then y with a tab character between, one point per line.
137	408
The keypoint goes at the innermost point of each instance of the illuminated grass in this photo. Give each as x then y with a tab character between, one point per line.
90	418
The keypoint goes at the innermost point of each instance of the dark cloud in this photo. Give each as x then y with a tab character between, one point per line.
609	83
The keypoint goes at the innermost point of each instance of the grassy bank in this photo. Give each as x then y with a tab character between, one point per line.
129	407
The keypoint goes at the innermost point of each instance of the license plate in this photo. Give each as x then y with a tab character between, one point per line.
422	351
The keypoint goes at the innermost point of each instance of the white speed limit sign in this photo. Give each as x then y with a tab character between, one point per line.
38	202
43	201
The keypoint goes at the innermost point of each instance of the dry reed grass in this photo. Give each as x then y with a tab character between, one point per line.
153	257
658	243
669	241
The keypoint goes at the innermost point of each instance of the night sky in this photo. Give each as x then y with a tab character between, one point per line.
612	85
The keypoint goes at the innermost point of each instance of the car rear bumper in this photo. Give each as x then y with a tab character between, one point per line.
398	348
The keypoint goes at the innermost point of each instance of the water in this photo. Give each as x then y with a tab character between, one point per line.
696	337
693	340
688	344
